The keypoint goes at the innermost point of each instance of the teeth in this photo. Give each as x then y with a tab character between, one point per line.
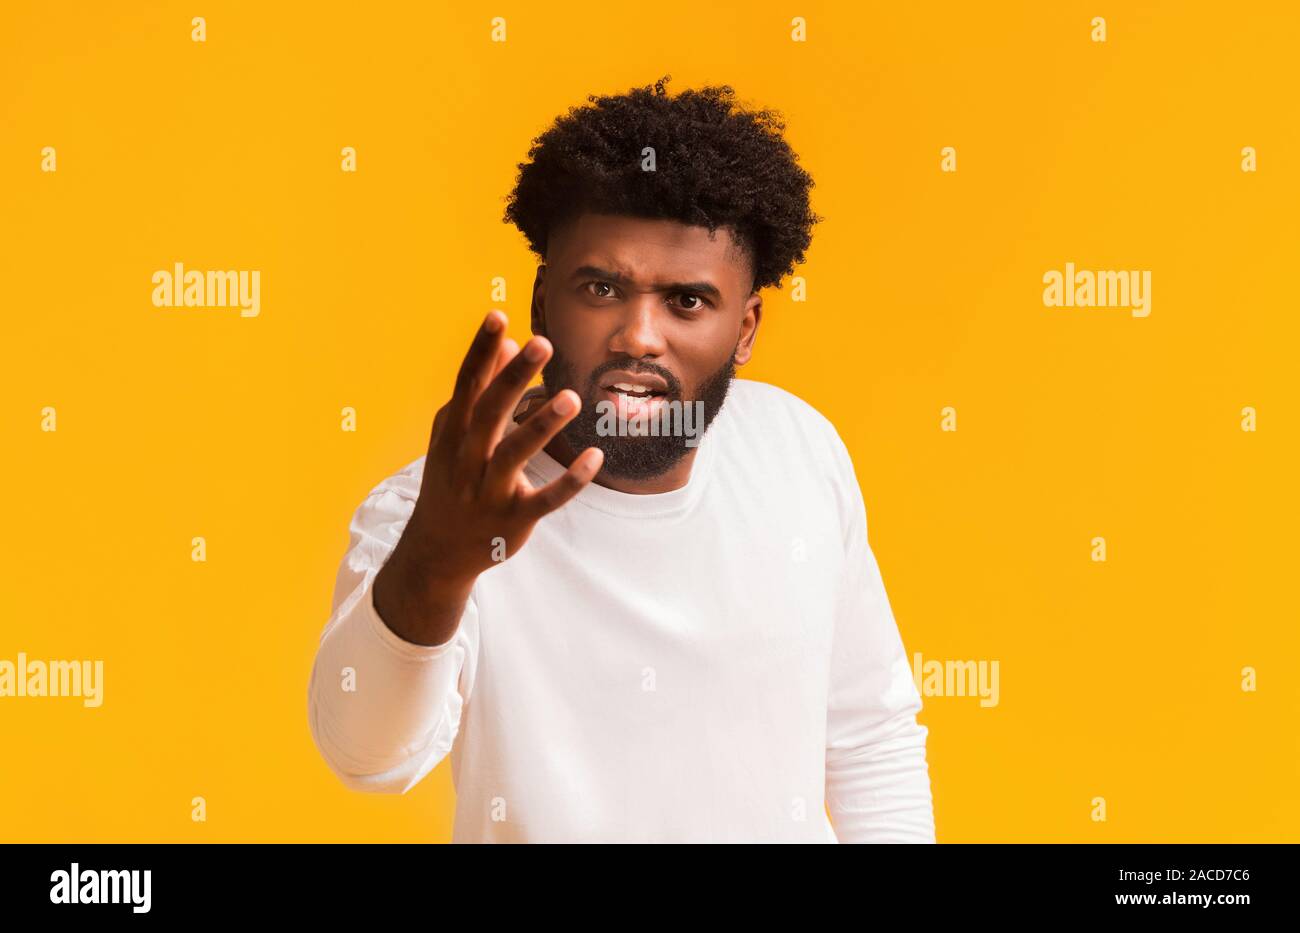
631	387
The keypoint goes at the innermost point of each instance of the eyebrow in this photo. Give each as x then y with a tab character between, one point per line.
706	288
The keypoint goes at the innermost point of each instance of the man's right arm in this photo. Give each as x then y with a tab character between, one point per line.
396	662
384	710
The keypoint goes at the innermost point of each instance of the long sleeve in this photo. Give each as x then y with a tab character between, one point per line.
877	777
384	711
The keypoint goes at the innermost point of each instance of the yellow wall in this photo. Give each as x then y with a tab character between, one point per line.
1119	679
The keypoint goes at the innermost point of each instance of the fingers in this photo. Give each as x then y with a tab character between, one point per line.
556	493
498	400
509	350
507	353
509	456
475	373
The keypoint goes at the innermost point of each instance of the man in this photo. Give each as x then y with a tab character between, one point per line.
678	635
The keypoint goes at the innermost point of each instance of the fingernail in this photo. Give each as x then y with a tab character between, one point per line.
566	404
492	323
534	351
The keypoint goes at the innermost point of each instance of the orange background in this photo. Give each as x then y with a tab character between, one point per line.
1119	679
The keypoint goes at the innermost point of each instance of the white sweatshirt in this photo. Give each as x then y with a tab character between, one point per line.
717	663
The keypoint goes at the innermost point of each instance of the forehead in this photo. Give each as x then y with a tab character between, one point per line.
648	250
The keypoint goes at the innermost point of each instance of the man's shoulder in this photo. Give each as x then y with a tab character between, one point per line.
802	429
396	493
770	399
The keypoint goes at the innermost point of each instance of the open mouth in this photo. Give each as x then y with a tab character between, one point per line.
634	399
633	390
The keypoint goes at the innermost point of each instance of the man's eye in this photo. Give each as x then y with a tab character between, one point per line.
696	298
598	285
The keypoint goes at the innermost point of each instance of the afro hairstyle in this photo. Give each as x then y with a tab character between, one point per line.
716	164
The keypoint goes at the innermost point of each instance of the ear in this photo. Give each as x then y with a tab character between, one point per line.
538	313
749	329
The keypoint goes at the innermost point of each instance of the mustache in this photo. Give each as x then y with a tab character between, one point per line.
674	384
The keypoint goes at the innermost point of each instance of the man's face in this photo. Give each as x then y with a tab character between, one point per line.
657	302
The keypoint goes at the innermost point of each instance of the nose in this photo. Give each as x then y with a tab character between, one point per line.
640	332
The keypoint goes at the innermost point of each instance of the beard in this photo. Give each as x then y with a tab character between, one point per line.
634	457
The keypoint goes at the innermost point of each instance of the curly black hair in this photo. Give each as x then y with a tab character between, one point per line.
716	165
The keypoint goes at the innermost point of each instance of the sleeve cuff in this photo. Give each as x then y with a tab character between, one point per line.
395	643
